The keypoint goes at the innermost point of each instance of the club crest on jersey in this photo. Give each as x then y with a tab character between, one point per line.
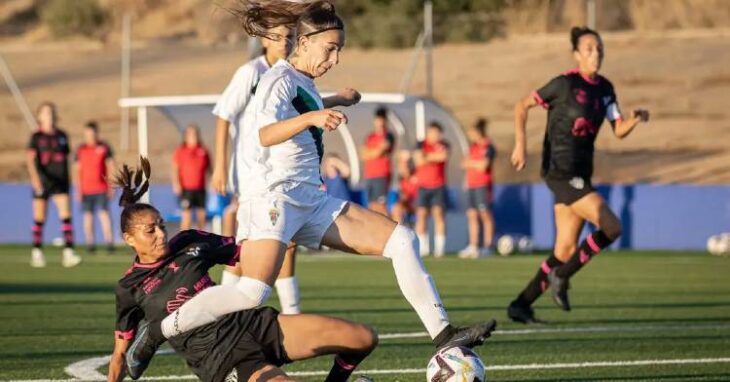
577	183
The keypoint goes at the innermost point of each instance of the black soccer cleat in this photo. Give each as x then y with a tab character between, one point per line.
522	313
143	348
468	337
559	287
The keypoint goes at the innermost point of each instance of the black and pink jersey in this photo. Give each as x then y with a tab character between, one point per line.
50	152
152	291
577	106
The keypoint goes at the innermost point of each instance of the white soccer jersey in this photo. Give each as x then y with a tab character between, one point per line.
231	107
282	93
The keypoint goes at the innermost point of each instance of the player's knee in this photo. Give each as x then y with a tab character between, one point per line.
366	338
256	291
402	241
565	251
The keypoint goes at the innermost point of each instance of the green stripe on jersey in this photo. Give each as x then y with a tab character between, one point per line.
304	103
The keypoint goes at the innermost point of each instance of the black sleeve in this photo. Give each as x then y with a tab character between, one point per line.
65	146
391	139
550	92
214	248
109	152
129	314
33	144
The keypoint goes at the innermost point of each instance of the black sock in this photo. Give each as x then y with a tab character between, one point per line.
343	367
539	283
591	246
68	232
37	234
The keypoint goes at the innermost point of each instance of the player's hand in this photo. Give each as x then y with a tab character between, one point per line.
328	119
348	96
37	189
218	181
519	157
641	114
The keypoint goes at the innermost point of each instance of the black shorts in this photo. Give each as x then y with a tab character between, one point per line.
50	189
92	202
261	345
479	198
192	199
377	189
569	191
431	197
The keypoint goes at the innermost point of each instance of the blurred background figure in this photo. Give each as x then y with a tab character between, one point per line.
336	176
93	161
430	158
189	167
478	167
376	153
404	207
47	164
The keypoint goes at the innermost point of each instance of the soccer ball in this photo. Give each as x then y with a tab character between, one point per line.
455	364
719	245
506	245
524	245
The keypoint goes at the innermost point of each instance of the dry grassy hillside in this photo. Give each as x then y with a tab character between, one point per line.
683	78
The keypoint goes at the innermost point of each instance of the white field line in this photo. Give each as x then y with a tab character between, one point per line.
529	366
86	370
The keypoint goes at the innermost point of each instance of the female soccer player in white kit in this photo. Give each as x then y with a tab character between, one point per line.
284	201
229	112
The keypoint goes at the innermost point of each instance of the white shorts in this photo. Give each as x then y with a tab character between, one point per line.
302	215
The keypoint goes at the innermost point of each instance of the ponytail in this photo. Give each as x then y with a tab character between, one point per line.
134	184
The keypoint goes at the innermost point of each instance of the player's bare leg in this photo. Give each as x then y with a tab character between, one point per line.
40	206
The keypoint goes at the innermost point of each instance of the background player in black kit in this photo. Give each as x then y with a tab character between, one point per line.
47	164
254	342
577	103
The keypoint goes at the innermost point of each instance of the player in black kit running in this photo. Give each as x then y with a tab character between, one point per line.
577	103
252	343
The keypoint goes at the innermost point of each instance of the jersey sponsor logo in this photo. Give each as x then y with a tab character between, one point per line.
581	96
583	127
181	296
174	267
150	283
578	183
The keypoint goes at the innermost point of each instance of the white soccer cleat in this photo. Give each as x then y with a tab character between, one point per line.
37	260
469	252
70	259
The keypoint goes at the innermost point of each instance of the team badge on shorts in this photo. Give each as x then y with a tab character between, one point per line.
274	215
578	183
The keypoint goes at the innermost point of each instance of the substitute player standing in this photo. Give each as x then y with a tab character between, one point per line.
47	164
478	166
430	158
230	112
94	160
189	166
376	153
577	103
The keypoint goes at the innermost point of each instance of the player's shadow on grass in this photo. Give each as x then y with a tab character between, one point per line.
663	377
55	288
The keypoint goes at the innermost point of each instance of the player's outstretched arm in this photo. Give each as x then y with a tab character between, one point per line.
519	153
623	128
344	97
116	365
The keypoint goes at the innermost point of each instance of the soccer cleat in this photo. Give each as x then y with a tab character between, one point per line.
468	337
522	313
37	260
559	287
469	253
69	258
143	348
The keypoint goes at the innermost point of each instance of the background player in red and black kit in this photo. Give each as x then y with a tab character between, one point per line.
189	166
577	103
252	342
376	153
405	207
478	166
47	164
430	158
94	160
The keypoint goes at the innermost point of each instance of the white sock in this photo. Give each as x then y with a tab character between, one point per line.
288	291
425	245
229	278
213	303
439	243
415	283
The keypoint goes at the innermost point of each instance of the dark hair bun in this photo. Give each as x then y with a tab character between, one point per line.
577	32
